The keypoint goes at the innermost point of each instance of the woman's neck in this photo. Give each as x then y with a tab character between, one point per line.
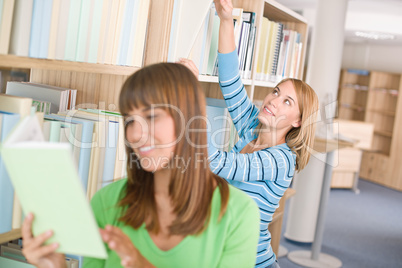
161	182
270	137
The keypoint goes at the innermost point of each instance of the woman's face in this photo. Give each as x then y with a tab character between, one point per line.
151	134
280	109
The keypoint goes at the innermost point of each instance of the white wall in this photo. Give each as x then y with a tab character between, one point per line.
387	58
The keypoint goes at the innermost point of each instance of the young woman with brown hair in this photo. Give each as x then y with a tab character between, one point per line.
166	213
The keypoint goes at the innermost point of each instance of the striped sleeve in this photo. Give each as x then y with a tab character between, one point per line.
241	109
271	164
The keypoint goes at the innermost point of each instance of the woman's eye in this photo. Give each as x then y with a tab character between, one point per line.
287	102
275	92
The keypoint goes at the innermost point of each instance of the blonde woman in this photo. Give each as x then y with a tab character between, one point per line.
274	140
166	213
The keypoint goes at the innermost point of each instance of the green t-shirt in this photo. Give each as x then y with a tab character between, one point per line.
231	242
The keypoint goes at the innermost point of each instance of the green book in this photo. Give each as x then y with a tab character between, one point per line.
47	183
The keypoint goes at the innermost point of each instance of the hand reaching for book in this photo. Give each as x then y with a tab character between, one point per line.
189	64
224	9
121	243
34	250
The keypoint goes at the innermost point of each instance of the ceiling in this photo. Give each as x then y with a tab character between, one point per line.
379	16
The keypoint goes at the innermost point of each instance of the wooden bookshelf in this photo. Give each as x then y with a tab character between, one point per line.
100	84
379	95
12	235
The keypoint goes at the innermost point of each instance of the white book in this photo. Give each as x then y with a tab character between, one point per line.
21	28
57	97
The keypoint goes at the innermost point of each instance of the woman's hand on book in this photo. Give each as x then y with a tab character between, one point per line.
34	250
189	64
224	9
122	245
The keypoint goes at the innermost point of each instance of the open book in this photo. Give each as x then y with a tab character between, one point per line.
47	183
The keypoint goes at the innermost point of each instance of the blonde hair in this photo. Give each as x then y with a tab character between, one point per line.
301	139
191	189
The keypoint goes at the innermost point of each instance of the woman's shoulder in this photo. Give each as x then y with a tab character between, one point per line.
111	192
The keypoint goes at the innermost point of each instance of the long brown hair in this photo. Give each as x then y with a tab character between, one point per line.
172	86
301	139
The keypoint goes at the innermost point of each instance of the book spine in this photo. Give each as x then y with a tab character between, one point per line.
37	16
72	30
45	29
83	29
62	29
19	40
9	121
92	45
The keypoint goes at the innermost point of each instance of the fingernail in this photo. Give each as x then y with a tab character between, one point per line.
49	232
55	245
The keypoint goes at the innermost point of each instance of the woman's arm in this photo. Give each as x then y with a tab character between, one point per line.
240	107
271	164
224	9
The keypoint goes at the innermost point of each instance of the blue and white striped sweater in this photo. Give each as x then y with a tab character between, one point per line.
264	175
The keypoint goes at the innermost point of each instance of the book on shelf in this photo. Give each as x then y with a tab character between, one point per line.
61	99
13	109
83	30
53	193
85	144
263	47
237	15
6	18
186	24
273	67
21	28
104	31
247	39
62	27
11	256
8	122
94	32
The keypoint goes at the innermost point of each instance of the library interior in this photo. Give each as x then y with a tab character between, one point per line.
63	64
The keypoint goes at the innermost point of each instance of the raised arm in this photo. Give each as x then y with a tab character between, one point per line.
224	9
272	164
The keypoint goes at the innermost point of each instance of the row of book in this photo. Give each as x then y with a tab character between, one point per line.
11	256
280	49
101	31
97	144
205	48
280	52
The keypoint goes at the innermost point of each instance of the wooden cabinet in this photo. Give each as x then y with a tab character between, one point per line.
374	97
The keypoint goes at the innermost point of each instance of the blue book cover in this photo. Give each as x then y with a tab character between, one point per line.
36	28
110	152
6	188
124	38
45	28
86	145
